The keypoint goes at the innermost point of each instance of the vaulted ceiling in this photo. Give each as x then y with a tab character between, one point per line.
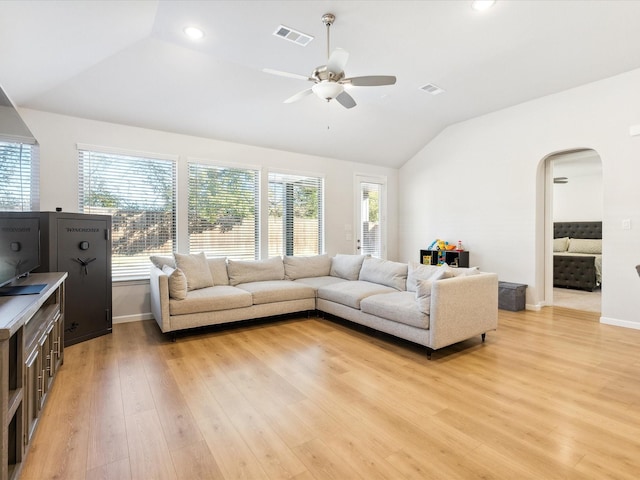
129	62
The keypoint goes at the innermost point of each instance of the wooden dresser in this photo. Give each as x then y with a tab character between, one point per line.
31	351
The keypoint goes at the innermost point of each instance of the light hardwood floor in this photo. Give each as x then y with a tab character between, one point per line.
551	394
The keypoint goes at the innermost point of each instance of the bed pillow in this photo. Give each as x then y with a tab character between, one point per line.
177	282
560	244
585	245
384	272
346	266
196	269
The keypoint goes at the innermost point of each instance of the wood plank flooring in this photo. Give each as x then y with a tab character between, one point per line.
550	395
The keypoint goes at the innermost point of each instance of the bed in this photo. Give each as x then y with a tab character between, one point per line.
577	255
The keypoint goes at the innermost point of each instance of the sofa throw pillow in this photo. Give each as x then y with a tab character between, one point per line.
160	261
306	267
464	272
419	271
177	282
346	266
245	271
585	245
560	244
196	269
218	269
423	289
384	272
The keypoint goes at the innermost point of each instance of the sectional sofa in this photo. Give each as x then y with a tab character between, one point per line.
429	305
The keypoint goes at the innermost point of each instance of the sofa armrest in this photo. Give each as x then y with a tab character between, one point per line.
462	307
159	298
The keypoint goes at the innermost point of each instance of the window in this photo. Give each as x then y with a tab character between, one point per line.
295	215
224	211
140	195
19	177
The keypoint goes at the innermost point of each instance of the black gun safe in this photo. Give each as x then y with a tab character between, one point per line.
80	244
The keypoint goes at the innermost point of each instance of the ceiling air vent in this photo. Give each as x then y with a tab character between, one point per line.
432	89
293	35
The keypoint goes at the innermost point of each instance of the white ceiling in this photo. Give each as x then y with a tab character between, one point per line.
128	62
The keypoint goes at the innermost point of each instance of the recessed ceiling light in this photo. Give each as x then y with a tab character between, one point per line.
481	5
194	33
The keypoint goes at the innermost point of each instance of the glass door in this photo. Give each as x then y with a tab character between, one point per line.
371	218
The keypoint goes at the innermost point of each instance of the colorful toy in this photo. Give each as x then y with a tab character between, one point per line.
441	246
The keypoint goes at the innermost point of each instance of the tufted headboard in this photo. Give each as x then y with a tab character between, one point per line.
577	229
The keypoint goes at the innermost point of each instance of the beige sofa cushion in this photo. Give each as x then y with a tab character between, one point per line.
419	271
210	299
400	307
384	272
245	271
317	282
306	267
351	293
162	260
423	288
218	269
272	291
177	282
463	271
196	269
346	266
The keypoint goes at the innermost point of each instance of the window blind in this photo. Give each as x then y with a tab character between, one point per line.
295	215
19	177
140	195
223	213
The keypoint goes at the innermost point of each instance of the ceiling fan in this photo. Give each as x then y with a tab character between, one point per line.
329	80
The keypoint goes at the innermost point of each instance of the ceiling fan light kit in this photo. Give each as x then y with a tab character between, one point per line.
330	80
327	90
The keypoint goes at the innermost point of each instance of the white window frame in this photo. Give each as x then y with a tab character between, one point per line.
212	164
126	270
321	207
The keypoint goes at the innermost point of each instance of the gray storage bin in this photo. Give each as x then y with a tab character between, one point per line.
511	296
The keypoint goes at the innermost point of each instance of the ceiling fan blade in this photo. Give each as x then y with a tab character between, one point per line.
370	81
337	60
286	74
346	100
299	96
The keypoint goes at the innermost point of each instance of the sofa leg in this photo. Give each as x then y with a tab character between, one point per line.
484	335
429	352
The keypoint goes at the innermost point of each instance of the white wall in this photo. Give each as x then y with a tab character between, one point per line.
580	199
58	136
481	181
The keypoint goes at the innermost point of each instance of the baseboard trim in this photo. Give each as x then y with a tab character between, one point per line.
620	323
139	317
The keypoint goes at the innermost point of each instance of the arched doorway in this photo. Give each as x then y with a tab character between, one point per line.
573	195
